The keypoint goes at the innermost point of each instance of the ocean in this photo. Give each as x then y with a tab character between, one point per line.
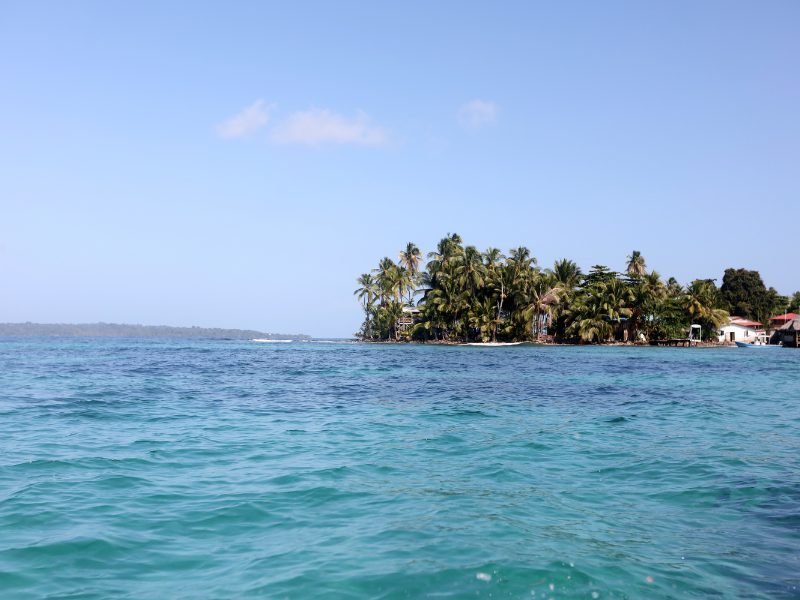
173	469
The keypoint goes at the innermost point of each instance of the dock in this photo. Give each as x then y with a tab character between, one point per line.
683	342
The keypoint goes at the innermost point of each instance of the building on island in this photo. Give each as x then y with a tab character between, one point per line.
789	333
407	318
779	321
739	329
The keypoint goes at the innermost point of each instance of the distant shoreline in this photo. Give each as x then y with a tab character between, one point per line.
136	331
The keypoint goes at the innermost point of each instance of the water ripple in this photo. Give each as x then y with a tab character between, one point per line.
173	469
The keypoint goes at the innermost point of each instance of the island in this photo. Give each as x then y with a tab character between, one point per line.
463	295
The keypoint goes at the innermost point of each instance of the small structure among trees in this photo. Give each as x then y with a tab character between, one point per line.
789	333
739	329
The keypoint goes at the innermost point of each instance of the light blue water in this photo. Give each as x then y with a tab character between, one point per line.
175	469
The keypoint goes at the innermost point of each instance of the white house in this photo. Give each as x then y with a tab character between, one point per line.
740	330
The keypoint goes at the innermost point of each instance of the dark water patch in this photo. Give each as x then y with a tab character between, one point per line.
77	551
464	413
537	446
288	479
618	420
316	496
119	482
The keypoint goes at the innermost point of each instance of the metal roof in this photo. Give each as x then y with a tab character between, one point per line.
786	317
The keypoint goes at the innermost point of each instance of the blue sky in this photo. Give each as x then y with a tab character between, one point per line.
240	164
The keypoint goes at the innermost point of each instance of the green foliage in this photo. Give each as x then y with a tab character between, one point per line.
669	320
468	295
600	307
636	266
744	294
701	302
600	274
794	303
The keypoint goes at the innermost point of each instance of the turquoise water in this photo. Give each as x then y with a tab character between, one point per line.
175	469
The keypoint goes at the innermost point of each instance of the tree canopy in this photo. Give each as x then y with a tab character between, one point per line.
744	294
463	294
794	303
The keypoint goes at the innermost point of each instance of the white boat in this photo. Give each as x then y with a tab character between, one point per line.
272	341
761	341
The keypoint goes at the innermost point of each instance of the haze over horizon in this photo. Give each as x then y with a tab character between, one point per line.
196	165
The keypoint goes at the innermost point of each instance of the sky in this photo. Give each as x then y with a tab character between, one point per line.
240	164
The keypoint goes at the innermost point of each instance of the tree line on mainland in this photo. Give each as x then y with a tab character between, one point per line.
464	295
135	331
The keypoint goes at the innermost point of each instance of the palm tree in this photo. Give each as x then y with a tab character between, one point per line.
446	250
567	274
469	275
544	294
394	312
367	292
615	299
386	278
448	246
482	317
636	266
590	323
522	273
471	271
700	304
401	280
602	301
674	289
593	329
522	260
410	258
697	300
496	282
647	294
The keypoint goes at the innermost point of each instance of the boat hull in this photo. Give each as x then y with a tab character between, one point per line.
747	345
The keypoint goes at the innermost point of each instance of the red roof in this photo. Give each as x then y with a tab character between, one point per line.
744	322
786	317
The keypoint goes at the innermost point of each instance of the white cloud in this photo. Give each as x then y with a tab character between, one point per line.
318	126
477	113
246	122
